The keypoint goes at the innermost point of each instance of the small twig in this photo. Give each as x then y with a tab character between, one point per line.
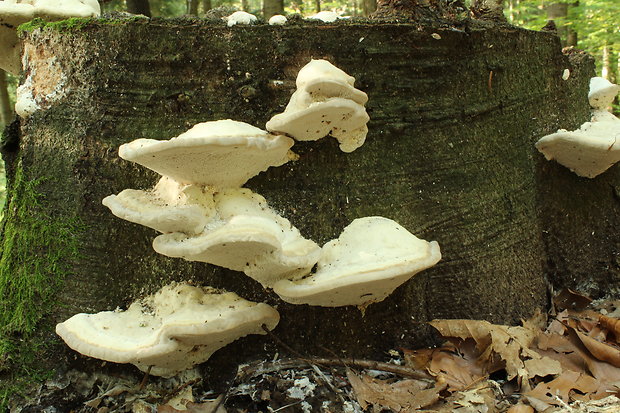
180	388
221	399
490	82
288	405
362	364
145	378
375	365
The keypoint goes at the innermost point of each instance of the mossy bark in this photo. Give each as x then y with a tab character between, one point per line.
455	110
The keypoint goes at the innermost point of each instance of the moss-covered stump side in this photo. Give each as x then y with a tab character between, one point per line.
454	115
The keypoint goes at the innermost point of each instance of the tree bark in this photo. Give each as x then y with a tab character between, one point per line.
272	7
6	110
454	116
139	7
428	10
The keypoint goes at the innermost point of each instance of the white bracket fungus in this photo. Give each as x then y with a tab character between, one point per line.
247	236
168	207
602	93
15	12
325	102
372	257
595	146
205	215
325	16
277	20
222	153
12	14
240	17
200	208
170	331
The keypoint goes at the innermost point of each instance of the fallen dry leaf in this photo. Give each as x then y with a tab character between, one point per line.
511	344
459	372
401	396
558	391
420	359
210	406
569	299
115	391
611	324
480	399
601	351
520	408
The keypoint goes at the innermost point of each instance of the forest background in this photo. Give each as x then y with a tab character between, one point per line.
589	25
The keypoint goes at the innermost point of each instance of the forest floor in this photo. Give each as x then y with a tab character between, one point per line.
564	361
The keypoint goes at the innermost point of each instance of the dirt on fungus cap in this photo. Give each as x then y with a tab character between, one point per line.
170	331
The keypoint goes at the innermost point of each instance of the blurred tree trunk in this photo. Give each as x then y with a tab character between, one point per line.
192	7
609	69
557	11
368	7
206	5
6	110
272	7
139	7
317	5
245	5
449	155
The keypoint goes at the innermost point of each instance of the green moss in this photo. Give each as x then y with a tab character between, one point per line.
74	23
35	255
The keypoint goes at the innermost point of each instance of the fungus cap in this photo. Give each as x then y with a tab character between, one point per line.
277	20
325	102
343	118
325	16
172	330
12	15
169	207
320	90
588	151
222	153
321	69
240	17
602	92
372	257
63	9
245	236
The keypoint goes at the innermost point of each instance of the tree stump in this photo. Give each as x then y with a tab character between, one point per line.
455	111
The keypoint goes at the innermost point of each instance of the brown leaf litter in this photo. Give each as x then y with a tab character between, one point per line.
569	363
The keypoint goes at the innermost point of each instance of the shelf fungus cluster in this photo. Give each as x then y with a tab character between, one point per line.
325	103
204	214
15	12
595	146
170	331
202	210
